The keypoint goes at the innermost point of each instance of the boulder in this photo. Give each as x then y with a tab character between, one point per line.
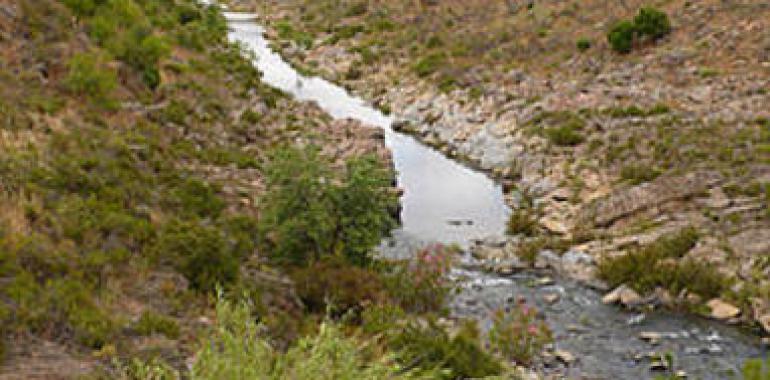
722	310
623	295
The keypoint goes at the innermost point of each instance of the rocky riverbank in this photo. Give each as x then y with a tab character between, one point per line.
606	154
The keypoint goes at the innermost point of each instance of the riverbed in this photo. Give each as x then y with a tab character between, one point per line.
447	202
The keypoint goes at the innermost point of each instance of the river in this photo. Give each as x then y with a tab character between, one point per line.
447	202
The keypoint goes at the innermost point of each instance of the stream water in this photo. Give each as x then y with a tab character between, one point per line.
447	202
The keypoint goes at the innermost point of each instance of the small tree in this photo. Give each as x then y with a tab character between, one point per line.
311	211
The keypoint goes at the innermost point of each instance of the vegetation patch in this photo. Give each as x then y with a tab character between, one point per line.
659	265
650	24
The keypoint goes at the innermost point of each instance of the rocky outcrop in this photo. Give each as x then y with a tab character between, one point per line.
626	201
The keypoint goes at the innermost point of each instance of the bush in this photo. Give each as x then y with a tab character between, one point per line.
517	334
122	27
421	285
200	253
652	23
649	23
656	265
236	350
89	75
752	370
81	8
429	347
583	44
428	64
152	323
564	135
310	212
333	286
621	36
522	222
636	174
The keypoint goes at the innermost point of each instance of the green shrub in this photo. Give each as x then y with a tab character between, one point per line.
236	350
377	319
200	253
649	23
311	211
621	37
564	135
583	44
429	347
82	8
122	27
421	285
89	75
428	65
152	323
522	222
636	174
529	249
518	335
652	23
753	370
657	265
68	300
337	287
357	9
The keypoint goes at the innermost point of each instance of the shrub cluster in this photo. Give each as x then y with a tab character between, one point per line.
649	24
310	211
657	265
518	334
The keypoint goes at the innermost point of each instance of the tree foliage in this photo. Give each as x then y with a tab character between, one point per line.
310	211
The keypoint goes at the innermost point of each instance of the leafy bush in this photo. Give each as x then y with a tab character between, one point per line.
428	64
89	75
517	334
337	287
310	212
636	174
377	319
429	347
152	323
652	23
583	44
522	222
421	285
122	27
236	350
564	135
656	266
621	36
753	370
649	23
82	8
201	253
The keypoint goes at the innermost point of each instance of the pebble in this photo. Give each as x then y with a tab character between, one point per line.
636	319
623	294
722	310
650	337
712	349
551	298
544	281
565	357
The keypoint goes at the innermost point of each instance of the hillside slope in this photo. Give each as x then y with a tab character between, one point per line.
133	139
